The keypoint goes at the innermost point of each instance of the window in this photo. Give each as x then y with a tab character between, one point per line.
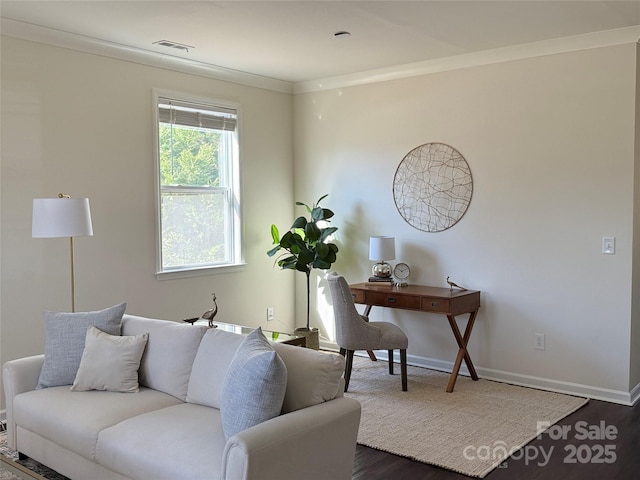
198	199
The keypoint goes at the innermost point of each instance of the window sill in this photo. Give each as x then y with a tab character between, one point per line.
200	272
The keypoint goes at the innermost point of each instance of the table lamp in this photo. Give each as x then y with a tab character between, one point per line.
62	217
382	248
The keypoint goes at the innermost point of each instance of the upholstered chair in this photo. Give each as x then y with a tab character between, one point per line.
355	332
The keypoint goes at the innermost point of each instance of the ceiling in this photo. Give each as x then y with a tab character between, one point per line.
294	41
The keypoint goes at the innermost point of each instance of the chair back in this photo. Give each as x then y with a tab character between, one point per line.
352	331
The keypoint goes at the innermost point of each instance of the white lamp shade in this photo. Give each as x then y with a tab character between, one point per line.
61	217
382	248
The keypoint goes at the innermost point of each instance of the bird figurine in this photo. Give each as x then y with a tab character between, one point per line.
209	314
453	285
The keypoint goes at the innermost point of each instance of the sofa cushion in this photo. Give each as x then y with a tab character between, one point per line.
254	386
64	341
210	366
74	420
110	362
313	377
168	357
182	442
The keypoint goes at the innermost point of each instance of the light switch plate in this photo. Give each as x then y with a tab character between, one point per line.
608	245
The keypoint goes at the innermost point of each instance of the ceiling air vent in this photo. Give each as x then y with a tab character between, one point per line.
170	44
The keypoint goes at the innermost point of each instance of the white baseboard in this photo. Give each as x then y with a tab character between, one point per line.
635	394
569	388
596	393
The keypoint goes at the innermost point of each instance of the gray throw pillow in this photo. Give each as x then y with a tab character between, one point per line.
64	341
110	362
254	385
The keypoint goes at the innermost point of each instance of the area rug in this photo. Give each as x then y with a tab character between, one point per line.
470	431
10	470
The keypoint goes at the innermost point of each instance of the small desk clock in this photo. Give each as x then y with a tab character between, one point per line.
400	274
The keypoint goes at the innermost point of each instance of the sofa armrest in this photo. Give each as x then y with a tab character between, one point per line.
313	443
19	376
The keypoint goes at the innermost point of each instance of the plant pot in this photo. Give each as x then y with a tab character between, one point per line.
312	337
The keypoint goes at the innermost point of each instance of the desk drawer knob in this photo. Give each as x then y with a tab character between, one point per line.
391	299
435	304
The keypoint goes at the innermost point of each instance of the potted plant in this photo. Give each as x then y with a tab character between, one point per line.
306	247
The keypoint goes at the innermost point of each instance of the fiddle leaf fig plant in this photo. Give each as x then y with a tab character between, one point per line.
305	245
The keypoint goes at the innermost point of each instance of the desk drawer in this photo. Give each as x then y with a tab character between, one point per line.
385	299
430	304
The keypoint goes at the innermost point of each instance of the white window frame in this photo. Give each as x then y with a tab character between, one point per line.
234	203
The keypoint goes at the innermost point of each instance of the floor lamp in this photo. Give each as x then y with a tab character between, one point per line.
62	217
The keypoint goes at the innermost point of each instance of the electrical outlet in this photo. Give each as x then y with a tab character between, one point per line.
269	314
538	341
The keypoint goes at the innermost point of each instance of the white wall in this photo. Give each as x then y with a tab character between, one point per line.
82	124
550	142
634	377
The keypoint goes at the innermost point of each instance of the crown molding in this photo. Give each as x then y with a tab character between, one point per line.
604	38
71	41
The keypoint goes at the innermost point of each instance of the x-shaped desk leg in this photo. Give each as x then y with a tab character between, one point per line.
462	349
372	356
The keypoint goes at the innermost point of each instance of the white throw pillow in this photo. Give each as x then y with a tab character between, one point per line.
110	362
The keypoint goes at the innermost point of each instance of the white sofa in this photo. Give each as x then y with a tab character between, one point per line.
171	428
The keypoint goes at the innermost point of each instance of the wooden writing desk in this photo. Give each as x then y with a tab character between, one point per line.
428	299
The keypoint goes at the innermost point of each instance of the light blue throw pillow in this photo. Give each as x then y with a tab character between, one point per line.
64	341
254	385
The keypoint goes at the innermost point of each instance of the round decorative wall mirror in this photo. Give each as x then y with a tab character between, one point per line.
432	187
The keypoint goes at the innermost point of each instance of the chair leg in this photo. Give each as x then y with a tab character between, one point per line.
343	351
403	369
347	369
390	362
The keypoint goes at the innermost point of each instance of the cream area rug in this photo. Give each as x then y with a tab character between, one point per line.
470	431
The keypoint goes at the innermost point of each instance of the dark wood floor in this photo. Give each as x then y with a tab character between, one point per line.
597	459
